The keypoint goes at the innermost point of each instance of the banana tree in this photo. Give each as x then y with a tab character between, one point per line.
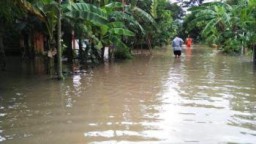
216	20
135	19
76	11
59	49
111	35
225	24
83	17
50	10
249	23
120	27
117	29
146	13
110	30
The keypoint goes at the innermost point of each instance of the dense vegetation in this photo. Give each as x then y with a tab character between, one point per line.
121	25
230	24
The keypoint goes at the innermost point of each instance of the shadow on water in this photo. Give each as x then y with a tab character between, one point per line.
202	97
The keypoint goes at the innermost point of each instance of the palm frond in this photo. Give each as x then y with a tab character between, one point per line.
121	31
143	15
129	20
154	8
85	11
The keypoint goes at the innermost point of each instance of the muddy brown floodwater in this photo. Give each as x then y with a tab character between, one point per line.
203	97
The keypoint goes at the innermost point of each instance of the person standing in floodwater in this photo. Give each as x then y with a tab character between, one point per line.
189	41
177	46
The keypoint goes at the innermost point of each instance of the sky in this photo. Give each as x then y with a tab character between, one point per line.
173	1
185	0
193	4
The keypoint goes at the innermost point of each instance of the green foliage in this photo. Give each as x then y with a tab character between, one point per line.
120	31
231	46
105	22
129	21
156	19
231	25
154	8
122	53
84	11
166	28
8	10
176	11
49	10
142	15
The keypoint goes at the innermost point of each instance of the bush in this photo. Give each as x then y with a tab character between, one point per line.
122	53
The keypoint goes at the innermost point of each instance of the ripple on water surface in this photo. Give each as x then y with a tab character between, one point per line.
199	98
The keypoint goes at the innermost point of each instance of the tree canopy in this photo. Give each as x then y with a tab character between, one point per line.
229	24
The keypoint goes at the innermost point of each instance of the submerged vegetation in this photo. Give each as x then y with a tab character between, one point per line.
86	29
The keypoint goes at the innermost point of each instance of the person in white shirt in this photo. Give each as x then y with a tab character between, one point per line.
177	46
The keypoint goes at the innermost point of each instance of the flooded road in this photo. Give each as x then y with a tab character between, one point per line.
203	97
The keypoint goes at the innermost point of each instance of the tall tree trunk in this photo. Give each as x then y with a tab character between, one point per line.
59	51
149	43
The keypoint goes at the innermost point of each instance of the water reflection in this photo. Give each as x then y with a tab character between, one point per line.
200	102
202	97
188	53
